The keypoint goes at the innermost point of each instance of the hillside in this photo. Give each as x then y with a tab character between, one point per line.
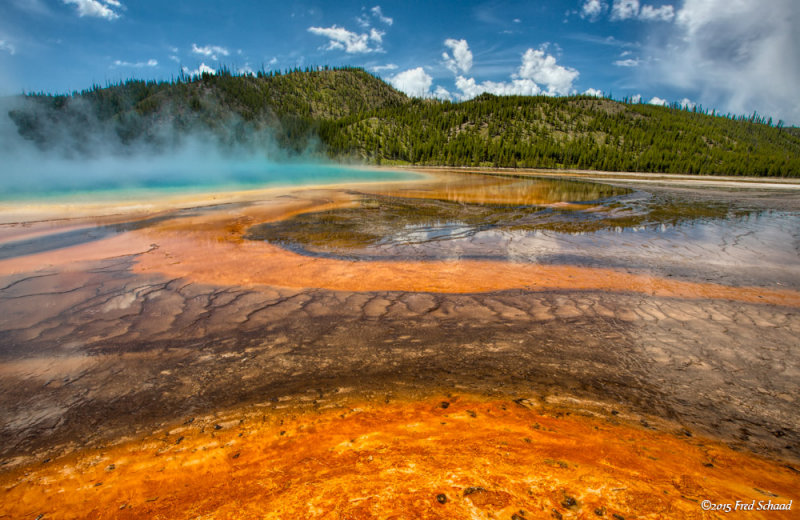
349	114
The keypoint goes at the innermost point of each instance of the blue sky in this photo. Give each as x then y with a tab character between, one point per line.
732	55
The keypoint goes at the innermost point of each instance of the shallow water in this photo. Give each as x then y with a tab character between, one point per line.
138	179
544	221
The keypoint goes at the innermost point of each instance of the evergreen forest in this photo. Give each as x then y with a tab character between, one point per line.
348	114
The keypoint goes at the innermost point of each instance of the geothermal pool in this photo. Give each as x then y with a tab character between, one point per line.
430	344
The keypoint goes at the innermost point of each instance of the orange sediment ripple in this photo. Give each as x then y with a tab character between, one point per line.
459	457
202	258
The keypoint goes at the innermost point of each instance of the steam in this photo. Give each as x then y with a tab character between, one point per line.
70	150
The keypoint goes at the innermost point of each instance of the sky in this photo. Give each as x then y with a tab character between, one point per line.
734	56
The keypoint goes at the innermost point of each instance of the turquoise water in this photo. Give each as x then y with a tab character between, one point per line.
137	178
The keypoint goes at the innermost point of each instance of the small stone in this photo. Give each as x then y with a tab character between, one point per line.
517	517
568	502
556	514
179	440
441	498
444	404
471	413
618	517
111	467
600	511
236	455
217	427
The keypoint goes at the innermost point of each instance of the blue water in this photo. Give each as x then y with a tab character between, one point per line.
106	179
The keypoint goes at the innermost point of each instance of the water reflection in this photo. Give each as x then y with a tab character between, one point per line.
553	222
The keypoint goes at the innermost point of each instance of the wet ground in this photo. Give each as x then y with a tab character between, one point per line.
675	307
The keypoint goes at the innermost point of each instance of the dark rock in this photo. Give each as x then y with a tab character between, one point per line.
569	502
441	498
472	490
217	427
600	511
111	467
618	517
445	405
179	440
556	514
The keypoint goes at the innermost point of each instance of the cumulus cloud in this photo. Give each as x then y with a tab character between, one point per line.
97	8
350	42
210	51
637	98
665	13
470	88
592	8
655	100
629	9
543	69
738	55
537	70
462	56
377	13
203	68
687	103
624	9
442	93
7	47
593	92
414	82
137	65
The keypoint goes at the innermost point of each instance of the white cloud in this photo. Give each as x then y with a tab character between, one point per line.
350	42
376	35
517	20
687	103
442	93
273	61
203	68
210	51
389	66
414	82
137	65
629	9
655	100
637	98
592	8
593	92
522	87
7	47
96	8
543	69
537	68
624	9
174	58
377	13
246	69
630	62
462	56
738	56
665	13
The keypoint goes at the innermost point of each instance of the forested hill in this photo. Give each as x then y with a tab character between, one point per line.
349	114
